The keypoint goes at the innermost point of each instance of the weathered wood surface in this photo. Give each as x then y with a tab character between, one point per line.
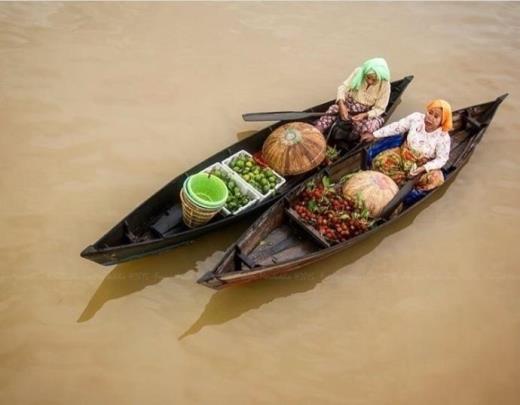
470	124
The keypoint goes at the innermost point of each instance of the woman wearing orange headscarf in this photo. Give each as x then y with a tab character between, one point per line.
425	151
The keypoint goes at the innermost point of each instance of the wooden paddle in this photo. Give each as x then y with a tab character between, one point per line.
282	115
399	197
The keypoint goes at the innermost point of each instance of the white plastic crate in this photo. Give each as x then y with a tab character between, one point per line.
244	187
258	192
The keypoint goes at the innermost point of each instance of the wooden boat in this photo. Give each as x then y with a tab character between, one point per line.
280	242
156	225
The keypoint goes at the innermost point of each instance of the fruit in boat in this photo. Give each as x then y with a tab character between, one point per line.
262	179
236	199
373	189
335	217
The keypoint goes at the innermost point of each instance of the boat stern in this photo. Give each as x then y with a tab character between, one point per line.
96	256
211	280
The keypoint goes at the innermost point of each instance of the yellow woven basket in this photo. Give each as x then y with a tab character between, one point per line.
194	215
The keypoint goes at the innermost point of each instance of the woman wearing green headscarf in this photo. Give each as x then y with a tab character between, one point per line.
362	98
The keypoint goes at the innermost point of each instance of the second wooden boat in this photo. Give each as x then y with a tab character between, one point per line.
280	242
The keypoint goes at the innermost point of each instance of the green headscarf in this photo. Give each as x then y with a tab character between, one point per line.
376	66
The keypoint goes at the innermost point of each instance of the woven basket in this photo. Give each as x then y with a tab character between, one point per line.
194	215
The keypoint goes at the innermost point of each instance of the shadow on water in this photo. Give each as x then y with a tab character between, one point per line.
233	302
128	278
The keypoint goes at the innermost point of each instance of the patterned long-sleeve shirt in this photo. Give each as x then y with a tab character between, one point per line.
375	96
434	146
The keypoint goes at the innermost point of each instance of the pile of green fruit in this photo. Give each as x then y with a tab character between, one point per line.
236	199
261	178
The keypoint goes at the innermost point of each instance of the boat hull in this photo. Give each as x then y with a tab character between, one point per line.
237	267
121	244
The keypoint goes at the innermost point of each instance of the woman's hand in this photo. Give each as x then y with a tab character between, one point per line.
359	117
343	110
367	137
417	171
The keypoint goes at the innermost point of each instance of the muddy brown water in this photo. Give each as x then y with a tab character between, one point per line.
102	104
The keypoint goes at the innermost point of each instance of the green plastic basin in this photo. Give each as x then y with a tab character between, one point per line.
205	190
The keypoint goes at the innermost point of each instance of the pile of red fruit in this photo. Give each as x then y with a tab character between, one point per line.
332	215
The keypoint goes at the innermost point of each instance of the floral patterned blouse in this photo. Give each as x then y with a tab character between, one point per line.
434	146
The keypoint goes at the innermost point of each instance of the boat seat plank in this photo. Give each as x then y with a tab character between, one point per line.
130	234
245	260
474	122
283	243
274	238
303	248
169	220
277	241
315	235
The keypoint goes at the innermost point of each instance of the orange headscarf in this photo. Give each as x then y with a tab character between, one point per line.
446	121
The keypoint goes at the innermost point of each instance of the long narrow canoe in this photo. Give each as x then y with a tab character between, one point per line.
156	225
279	242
